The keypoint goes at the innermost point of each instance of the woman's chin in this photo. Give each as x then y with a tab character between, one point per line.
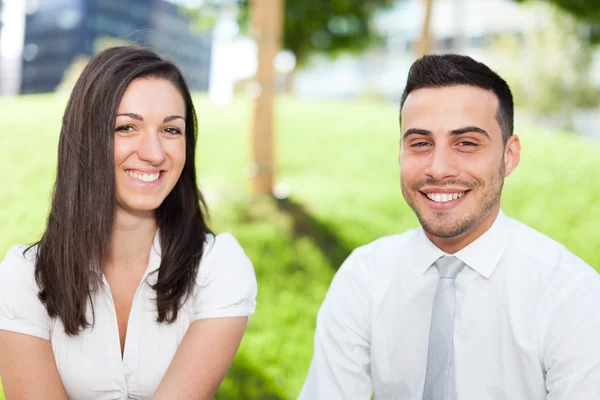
143	208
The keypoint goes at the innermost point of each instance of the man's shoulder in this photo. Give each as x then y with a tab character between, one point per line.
375	260
377	256
387	244
545	251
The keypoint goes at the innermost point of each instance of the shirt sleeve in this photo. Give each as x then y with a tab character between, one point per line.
572	341
340	368
226	283
21	310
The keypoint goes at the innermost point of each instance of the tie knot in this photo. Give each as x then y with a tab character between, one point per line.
449	266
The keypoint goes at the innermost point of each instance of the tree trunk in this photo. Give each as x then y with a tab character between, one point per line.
267	25
287	81
424	43
459	44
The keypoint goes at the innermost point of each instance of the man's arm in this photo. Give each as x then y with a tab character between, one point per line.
572	344
340	368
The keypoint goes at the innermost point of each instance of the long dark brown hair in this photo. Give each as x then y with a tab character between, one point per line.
75	244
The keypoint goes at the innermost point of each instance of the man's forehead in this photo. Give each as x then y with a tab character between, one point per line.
451	94
450	100
450	108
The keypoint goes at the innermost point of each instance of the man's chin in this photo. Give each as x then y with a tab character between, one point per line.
443	233
443	226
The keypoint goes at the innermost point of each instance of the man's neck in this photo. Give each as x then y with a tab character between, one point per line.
454	244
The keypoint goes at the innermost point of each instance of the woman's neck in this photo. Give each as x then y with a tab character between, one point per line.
131	239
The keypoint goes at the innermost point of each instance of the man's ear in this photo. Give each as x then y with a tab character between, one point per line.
512	154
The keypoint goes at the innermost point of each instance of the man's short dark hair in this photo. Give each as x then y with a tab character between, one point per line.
441	70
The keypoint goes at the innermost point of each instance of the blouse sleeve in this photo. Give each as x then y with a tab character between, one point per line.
21	310
226	284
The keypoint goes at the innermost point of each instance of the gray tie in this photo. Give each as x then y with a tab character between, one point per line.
439	383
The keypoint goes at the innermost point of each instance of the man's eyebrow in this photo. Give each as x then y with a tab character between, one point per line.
416	131
172	117
131	115
469	129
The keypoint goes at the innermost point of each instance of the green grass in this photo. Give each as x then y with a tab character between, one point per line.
340	162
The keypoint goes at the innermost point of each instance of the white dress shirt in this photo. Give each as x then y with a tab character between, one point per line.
527	320
90	364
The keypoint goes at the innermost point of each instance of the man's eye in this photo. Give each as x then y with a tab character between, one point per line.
466	143
419	144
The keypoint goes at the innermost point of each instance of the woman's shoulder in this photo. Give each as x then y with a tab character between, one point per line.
226	282
18	263
20	307
225	242
223	255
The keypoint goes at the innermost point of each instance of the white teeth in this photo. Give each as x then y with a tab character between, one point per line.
444	197
143	177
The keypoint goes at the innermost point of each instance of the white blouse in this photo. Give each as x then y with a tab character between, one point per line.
90	364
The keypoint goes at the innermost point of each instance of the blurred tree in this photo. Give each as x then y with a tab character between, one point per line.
583	9
552	79
266	18
424	45
302	27
311	26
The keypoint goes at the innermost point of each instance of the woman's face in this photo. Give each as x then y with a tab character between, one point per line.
149	144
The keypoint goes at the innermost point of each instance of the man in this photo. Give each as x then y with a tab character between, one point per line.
472	305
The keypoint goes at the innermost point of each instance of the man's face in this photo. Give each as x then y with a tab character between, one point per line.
453	160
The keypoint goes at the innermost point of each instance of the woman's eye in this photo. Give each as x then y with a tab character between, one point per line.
124	128
173	131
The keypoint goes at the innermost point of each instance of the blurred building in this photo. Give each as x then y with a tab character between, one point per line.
12	26
59	31
1	22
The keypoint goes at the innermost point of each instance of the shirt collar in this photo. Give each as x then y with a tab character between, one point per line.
483	255
425	252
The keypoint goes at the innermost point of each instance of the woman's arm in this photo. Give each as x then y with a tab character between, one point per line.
202	359
28	369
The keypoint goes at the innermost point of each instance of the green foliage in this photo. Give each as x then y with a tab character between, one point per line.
553	73
340	162
584	10
314	25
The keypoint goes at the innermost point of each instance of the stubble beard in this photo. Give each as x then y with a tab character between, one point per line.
442	224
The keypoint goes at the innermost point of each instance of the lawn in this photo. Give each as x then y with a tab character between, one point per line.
339	162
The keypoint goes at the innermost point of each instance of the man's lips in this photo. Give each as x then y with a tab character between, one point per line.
444	199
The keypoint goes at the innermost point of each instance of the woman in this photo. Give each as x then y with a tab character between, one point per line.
128	294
